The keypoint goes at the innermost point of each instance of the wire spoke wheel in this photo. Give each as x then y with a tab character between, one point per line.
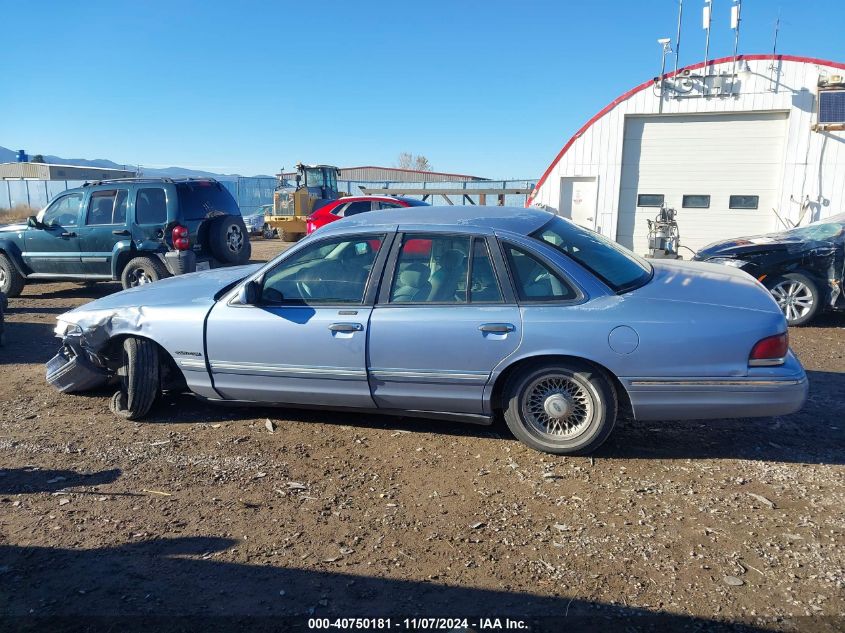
558	406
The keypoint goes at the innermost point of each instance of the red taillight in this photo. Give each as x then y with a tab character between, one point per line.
181	242
770	351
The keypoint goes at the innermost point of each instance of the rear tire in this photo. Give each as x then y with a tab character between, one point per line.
140	382
797	296
142	270
566	408
11	281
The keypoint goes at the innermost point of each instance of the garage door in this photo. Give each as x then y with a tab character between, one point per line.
721	172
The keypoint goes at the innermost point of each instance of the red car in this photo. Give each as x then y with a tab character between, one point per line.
353	205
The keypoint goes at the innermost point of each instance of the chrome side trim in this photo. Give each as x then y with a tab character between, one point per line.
714	383
290	371
191	363
434	375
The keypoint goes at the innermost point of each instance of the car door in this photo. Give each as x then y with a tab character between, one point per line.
303	341
103	225
441	325
52	248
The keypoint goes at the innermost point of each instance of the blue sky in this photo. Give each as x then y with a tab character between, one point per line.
489	88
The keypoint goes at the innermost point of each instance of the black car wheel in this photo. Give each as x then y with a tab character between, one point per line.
565	409
797	296
229	239
139	379
142	270
11	281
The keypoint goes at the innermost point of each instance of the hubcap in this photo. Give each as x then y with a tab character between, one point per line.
234	238
2	278
139	278
794	298
558	406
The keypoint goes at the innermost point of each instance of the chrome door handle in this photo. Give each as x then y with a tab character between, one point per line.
67	234
346	327
497	328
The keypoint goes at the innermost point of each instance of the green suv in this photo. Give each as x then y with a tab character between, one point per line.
136	230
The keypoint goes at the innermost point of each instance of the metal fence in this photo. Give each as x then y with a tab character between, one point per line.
252	193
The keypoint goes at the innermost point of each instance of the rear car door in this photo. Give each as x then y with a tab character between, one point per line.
104	224
443	322
304	340
53	247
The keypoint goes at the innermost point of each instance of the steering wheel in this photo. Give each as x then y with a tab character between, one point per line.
303	289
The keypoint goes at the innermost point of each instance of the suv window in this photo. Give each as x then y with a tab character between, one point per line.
534	280
333	272
198	199
151	206
107	207
64	211
431	269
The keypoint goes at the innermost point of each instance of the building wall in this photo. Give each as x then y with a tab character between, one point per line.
814	162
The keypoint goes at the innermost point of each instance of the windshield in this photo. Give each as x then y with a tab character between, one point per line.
615	265
314	178
826	229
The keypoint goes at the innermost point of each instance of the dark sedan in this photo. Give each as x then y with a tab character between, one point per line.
803	267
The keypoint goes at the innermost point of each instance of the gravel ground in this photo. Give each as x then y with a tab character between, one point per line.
213	511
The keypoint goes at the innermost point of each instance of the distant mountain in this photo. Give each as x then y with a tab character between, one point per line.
11	156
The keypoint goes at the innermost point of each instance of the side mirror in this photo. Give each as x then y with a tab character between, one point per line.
249	293
32	222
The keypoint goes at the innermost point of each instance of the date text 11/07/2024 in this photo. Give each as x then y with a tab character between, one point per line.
417	624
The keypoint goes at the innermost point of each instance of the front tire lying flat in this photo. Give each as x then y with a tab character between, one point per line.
139	380
564	409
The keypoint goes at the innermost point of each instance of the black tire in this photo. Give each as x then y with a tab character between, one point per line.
797	296
11	281
228	239
586	393
139	379
142	270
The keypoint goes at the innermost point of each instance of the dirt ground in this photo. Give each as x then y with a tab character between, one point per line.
202	511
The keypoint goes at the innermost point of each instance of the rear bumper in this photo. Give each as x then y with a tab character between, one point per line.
775	391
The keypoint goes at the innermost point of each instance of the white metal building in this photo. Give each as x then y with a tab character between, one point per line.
748	146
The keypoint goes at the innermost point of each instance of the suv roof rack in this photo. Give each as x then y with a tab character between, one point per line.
93	183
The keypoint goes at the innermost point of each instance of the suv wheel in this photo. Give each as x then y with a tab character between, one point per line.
229	239
142	270
11	281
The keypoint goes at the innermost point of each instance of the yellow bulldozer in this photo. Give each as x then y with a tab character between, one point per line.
315	185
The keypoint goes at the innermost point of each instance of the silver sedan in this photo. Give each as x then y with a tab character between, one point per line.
454	313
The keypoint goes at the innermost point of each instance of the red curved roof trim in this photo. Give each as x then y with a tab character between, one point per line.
650	82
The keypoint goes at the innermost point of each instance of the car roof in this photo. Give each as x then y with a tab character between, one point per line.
514	219
367	197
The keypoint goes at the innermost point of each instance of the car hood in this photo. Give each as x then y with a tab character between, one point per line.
793	241
193	288
703	283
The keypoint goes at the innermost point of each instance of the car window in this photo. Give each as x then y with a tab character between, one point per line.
333	272
107	207
534	280
199	198
618	267
151	206
388	205
354	208
431	269
64	211
484	287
